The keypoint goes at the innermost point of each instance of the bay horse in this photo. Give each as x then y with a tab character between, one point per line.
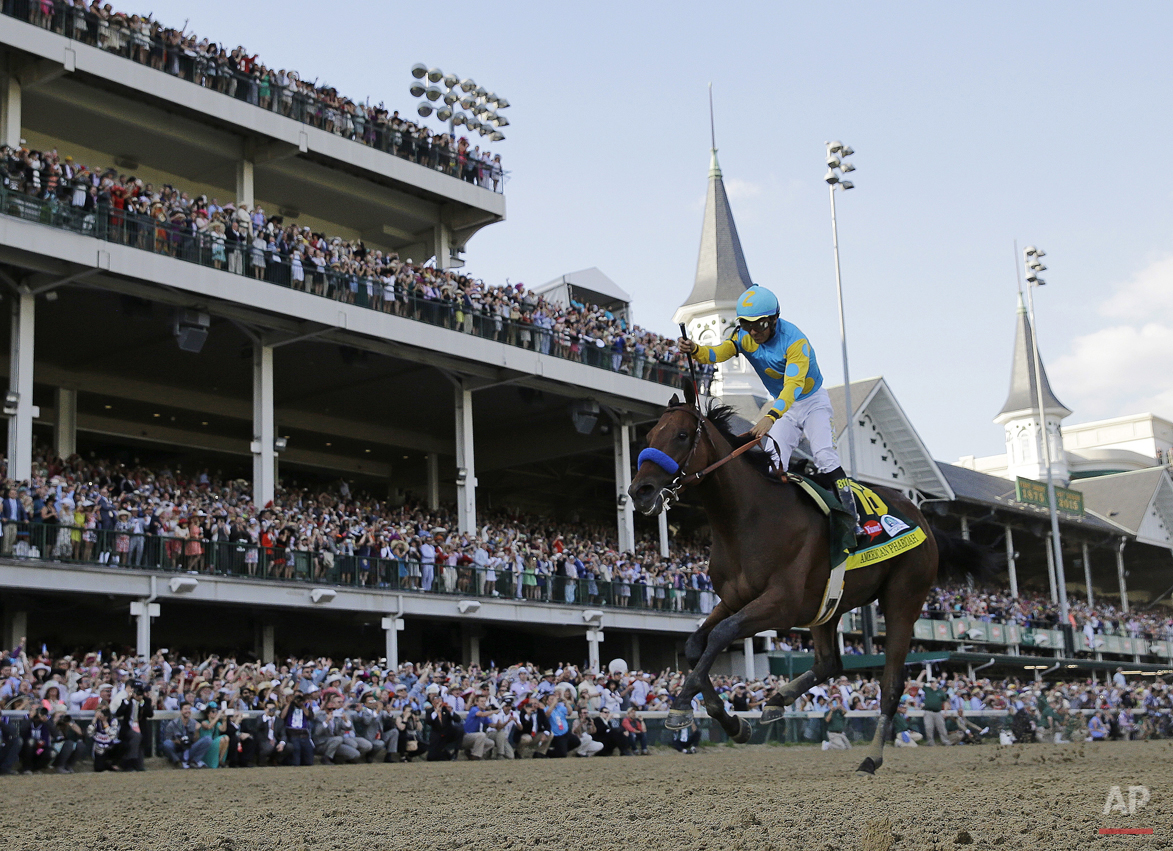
770	562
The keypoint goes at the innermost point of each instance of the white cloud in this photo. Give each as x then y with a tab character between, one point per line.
739	190
1126	367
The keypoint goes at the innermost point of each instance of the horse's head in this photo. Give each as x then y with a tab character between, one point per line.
677	446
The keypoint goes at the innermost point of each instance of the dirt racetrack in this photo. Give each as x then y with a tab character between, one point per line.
761	797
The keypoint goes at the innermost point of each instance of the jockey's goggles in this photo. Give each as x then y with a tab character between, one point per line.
762	324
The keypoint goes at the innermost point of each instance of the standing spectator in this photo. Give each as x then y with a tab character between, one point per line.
446	733
267	735
935	695
298	721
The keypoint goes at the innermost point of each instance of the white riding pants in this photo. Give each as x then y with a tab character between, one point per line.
810	416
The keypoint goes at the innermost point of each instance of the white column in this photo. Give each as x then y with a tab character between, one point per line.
433	481
10	112
442	246
624	510
635	665
466	479
143	611
1087	574
244	182
20	382
18	628
1120	574
65	428
1051	570
268	652
749	672
593	637
964	528
392	624
264	427
663	521
1011	564
474	649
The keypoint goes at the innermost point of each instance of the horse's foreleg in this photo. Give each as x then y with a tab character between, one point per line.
827	664
695	646
752	619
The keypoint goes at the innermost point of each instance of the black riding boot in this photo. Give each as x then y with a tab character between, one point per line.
838	483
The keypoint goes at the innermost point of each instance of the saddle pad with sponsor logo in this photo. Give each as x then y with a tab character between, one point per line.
886	532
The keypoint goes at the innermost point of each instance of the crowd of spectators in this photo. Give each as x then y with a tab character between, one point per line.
221	712
103	512
238	74
1034	609
165	219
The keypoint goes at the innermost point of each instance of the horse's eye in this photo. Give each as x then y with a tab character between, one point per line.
683	435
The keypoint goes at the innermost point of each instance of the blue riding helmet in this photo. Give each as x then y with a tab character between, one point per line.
757	303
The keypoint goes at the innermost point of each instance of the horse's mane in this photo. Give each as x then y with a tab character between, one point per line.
721	416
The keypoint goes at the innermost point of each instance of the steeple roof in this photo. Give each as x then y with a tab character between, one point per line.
721	273
1023	395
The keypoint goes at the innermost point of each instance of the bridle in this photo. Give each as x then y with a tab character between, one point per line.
681	478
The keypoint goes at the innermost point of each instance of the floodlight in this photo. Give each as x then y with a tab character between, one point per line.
419	70
481	91
459	118
496	136
502	103
444	113
424	109
831	177
417	89
847	151
846	184
434	93
1031	251
834	147
451	97
472	123
451	80
468	84
435	75
484	129
833	161
847	167
500	120
468	102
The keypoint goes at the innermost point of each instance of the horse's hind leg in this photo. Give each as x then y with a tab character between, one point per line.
901	602
828	664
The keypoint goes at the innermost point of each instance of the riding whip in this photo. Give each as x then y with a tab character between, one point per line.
696	390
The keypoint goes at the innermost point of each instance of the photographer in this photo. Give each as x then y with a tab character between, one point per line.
610	735
133	714
406	735
369	719
66	742
182	744
446	733
502	728
475	742
266	736
535	729
103	733
836	720
37	733
299	721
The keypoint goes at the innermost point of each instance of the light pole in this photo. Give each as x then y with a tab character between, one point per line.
837	154
1034	265
482	105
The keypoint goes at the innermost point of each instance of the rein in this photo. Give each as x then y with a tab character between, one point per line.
670	493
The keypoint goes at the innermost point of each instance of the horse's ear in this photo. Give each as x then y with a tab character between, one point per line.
690	394
674	402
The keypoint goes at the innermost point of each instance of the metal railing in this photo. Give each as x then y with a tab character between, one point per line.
306	105
123	548
225	253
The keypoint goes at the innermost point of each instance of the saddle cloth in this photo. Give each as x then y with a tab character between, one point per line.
887	533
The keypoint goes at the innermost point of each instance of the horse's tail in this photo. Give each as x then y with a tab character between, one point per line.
958	558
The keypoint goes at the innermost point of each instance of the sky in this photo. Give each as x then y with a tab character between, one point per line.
975	125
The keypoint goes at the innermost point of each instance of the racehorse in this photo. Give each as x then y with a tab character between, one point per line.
770	564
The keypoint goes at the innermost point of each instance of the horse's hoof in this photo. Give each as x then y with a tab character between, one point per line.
771	714
744	731
678	719
867	768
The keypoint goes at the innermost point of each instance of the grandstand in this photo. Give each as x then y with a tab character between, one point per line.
148	341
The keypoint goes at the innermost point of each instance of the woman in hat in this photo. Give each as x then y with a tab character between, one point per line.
122	540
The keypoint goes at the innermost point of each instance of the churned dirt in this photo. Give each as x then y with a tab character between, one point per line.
761	797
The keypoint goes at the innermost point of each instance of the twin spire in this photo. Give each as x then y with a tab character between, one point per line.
721	272
1023	395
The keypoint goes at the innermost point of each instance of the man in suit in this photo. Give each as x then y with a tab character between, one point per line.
266	737
37	734
12	512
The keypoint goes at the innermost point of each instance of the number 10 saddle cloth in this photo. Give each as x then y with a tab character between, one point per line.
887	533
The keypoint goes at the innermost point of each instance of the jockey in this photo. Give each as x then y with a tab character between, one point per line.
786	363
